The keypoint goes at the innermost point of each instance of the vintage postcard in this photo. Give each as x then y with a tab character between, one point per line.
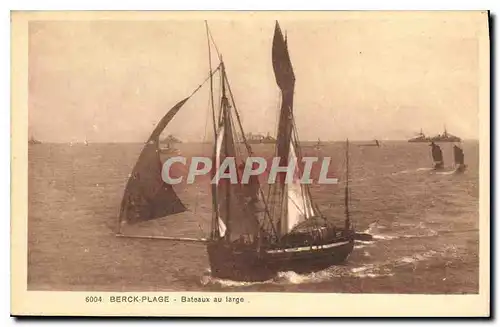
251	163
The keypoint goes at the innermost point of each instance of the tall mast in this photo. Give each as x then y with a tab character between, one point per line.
227	129
211	80
215	221
346	196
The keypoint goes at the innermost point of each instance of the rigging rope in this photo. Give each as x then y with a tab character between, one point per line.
211	81
203	83
197	191
212	39
304	188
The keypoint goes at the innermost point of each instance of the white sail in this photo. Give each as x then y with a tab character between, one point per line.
297	198
218	149
222	228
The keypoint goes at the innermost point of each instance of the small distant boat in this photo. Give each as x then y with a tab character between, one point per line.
34	141
86	142
318	145
459	157
437	156
259	139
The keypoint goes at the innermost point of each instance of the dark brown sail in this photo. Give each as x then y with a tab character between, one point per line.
282	65
146	195
293	203
285	79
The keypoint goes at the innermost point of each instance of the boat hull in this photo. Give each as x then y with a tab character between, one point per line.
248	264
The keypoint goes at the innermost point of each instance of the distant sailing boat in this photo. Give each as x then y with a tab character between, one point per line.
318	145
252	236
437	156
458	155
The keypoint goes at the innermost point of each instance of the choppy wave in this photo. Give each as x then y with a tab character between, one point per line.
400	172
207	279
425	169
282	277
363	244
450	172
415	258
291	277
370	271
386	237
409	231
386	268
408	171
375	228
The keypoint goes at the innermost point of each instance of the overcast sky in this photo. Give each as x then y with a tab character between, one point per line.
362	78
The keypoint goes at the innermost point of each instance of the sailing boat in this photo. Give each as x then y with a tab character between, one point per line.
437	156
458	155
252	236
318	145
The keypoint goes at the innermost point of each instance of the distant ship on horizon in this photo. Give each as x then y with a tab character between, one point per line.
445	137
420	138
259	139
167	145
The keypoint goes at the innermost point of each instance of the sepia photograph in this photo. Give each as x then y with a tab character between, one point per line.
223	157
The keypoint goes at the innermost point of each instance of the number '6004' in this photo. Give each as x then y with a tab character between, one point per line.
93	299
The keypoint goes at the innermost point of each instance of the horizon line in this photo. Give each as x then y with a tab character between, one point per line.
306	141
